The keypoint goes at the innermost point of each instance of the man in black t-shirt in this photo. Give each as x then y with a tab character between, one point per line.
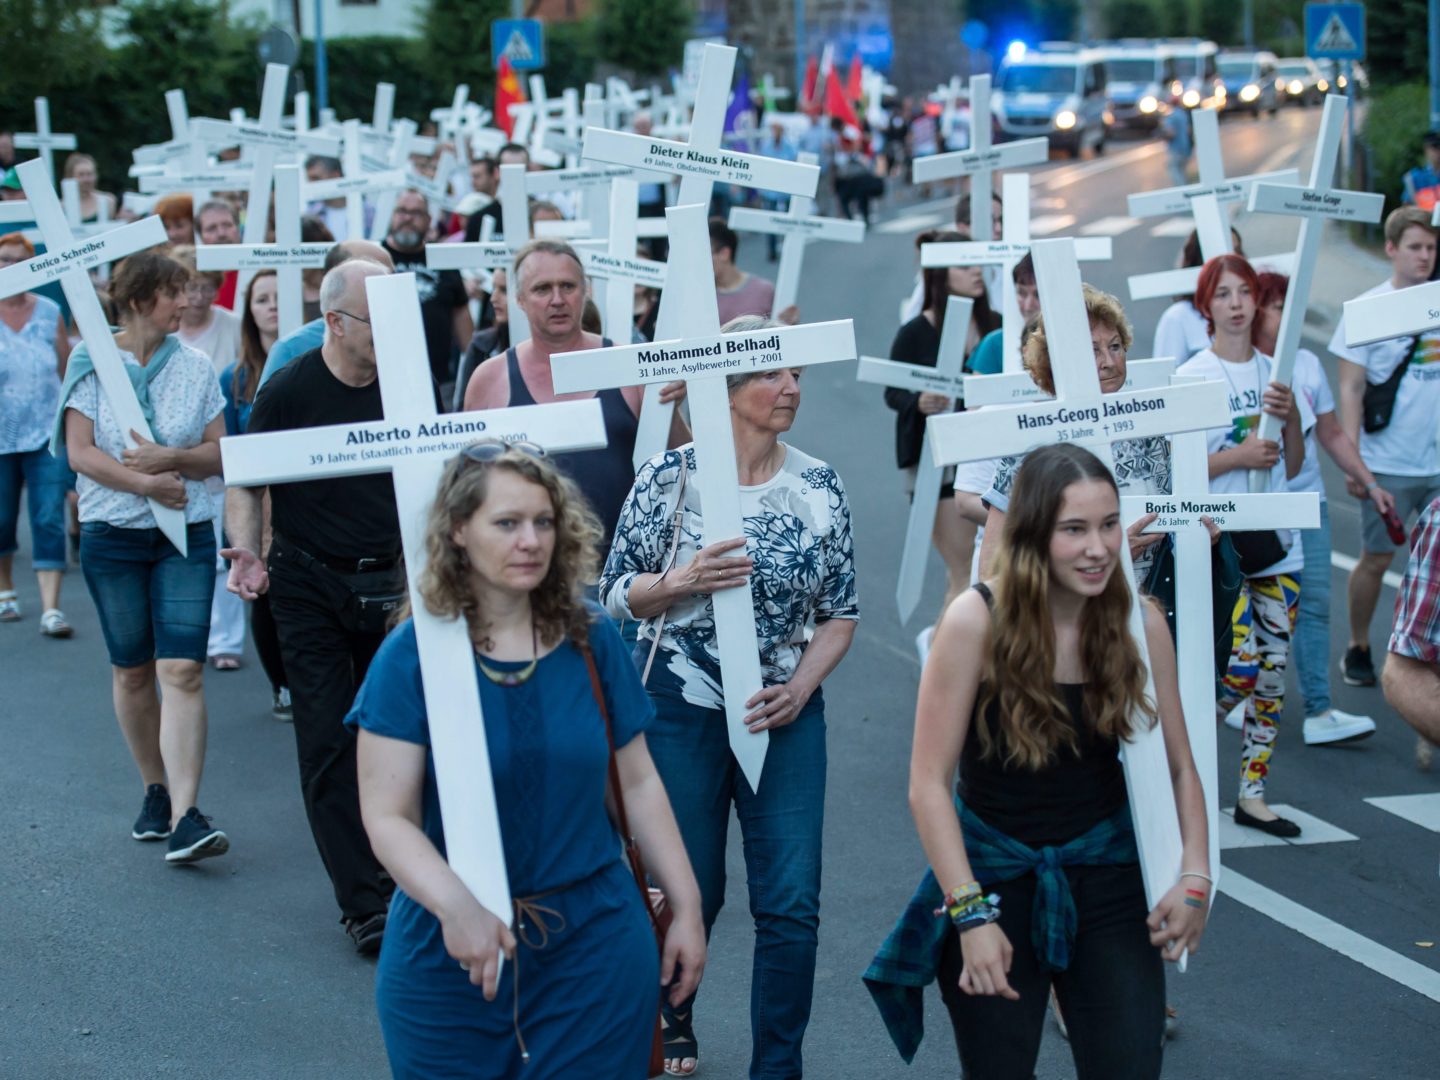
335	561
444	304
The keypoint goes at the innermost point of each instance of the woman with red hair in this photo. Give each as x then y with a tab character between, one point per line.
1271	561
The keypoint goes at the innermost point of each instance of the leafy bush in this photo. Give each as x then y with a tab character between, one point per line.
1397	118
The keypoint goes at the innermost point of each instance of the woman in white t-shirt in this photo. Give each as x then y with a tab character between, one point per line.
1226	296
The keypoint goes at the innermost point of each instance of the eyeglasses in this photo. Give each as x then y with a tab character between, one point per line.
347	314
490	449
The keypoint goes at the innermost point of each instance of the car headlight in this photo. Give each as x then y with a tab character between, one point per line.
1341	82
1249	92
1148	104
1191	99
1065	120
1296	86
1322	86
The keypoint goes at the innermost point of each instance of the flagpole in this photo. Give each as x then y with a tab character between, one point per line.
801	51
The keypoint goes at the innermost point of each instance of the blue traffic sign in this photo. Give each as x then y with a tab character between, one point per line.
1335	31
522	41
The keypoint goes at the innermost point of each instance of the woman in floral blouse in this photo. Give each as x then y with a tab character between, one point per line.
797	560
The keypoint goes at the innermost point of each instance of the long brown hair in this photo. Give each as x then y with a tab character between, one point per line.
252	350
937	287
558	601
1019	671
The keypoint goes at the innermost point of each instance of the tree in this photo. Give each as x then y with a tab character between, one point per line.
1130	18
455	36
50	45
646	37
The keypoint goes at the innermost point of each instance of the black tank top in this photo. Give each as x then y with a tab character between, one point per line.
1056	803
604	476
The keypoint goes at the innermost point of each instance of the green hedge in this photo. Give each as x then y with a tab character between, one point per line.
1395	122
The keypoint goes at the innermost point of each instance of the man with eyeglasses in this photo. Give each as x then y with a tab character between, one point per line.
444	304
334	568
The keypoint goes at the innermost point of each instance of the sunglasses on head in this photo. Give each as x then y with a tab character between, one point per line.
490	449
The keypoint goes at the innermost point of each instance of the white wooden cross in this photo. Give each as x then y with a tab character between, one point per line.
1014	388
982	160
798	225
619	267
1205	200
701	163
43	139
1401	313
453	124
1080	414
81	230
703	358
1005	253
1180	513
1313	204
943	378
402	141
356	183
68	261
458	746
287	256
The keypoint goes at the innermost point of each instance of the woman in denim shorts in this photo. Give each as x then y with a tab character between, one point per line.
33	351
153	602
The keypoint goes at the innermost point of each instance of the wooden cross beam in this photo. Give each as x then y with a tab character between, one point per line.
43	139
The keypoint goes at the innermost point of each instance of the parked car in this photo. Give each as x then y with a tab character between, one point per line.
1057	90
1249	79
1298	80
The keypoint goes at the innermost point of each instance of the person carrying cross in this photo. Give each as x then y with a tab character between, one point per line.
334	573
550	287
444	304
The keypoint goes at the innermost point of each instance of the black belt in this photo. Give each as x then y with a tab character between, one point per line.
366	565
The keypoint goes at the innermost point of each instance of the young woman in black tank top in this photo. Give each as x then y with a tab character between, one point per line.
1030	687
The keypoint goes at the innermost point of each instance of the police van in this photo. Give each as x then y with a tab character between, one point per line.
1057	89
1196	83
1138	78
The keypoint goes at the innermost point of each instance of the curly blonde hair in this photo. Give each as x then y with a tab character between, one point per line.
558	601
1030	726
1101	307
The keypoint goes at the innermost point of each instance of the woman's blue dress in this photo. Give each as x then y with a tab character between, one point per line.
588	998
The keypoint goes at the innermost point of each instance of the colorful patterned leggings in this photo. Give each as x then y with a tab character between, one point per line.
1263	624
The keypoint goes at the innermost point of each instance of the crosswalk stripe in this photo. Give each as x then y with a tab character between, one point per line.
1175	227
1312	831
1422	810
1341	561
910	223
1045	224
1109	226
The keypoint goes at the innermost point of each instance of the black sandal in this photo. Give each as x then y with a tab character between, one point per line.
678	1033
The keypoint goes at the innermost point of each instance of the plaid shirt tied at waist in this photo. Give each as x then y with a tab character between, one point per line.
908	960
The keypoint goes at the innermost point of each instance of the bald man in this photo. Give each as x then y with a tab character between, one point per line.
312	333
334	564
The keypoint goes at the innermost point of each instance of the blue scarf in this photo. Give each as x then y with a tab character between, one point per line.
81	365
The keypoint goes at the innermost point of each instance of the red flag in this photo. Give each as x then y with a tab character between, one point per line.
507	92
812	76
835	103
854	88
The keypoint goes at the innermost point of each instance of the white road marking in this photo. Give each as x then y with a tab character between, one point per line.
1348	563
1071	174
1109	226
1175	227
1312	831
1280	159
910	223
1332	935
1045	224
1422	810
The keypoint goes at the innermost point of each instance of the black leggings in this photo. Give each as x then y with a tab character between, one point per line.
1112	995
267	641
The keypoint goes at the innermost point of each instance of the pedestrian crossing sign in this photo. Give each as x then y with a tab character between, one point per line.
1335	31
521	41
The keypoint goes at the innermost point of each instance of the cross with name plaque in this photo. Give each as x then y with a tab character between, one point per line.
1180	513
944	378
982	160
43	139
68	261
1205	201
413	443
1005	253
799	225
1401	313
1080	414
618	266
1014	388
701	163
356	183
1314	204
703	358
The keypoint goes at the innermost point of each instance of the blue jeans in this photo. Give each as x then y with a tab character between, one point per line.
781	826
1310	645
44	479
153	602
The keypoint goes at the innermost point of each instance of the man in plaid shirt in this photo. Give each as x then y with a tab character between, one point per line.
1412	671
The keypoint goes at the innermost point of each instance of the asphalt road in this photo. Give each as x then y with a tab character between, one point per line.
113	965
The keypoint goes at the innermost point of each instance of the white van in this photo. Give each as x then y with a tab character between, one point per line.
1137	78
1058	90
1197	83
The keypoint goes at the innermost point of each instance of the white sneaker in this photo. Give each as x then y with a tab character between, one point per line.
922	643
1335	726
53	624
1235	718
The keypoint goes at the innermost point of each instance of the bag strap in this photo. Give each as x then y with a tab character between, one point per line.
618	792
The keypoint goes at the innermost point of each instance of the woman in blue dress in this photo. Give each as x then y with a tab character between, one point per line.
509	545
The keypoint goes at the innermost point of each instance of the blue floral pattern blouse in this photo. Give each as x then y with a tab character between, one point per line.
798	533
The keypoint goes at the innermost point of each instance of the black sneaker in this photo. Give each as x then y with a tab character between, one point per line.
194	839
367	931
154	820
1356	667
